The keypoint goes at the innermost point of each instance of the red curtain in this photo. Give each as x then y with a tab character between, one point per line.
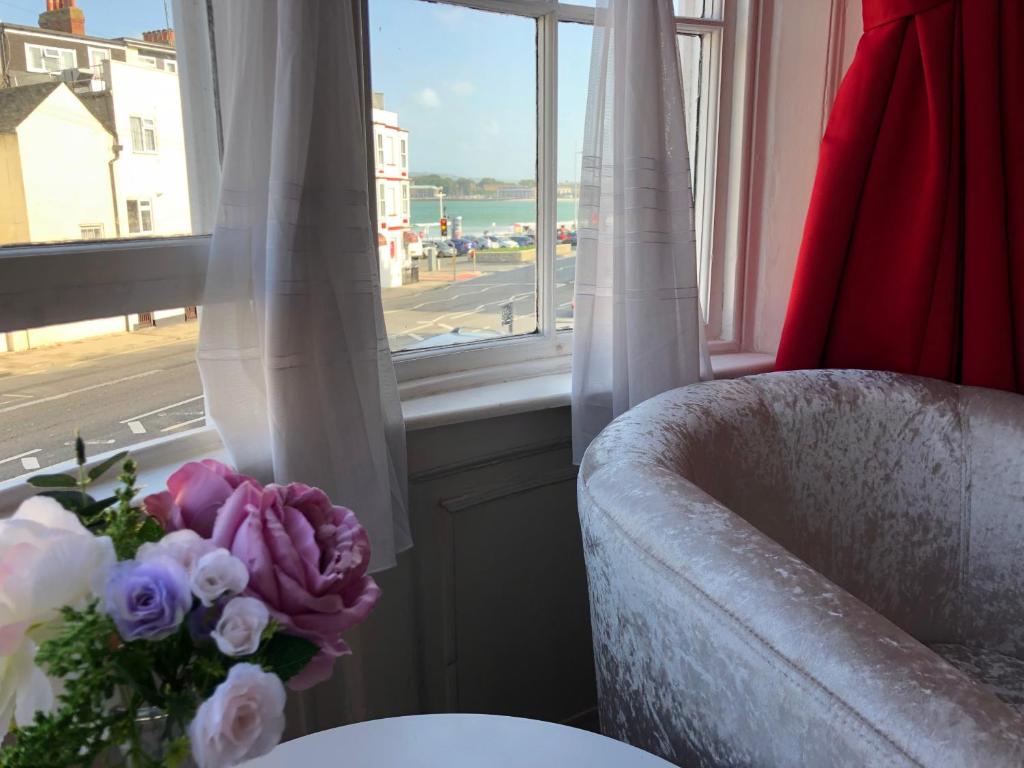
913	251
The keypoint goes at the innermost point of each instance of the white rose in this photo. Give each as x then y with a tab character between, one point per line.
243	719
240	626
216	574
184	546
48	559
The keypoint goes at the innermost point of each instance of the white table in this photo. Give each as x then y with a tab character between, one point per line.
456	741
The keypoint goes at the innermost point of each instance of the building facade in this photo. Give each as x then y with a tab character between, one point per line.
391	171
92	146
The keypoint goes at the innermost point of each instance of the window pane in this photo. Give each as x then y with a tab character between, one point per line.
106	152
118	386
691	60
574	44
455	93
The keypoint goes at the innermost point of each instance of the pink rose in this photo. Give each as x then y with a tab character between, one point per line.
307	560
194	494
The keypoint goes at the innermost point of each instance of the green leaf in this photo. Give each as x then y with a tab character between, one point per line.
53	481
150	530
95	507
96	472
72	501
287	655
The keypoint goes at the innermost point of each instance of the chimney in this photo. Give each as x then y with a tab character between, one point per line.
378	100
63	16
163	36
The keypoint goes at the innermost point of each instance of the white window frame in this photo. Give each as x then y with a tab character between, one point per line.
149	61
87	280
57	51
147	125
380	148
96	229
170	65
142	205
404	151
389	143
405	198
98	55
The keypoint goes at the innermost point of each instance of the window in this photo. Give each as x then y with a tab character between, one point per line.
143	134
405	198
98	55
114	233
390	156
170	66
390	208
380	149
41	58
381	212
140	216
405	155
148	61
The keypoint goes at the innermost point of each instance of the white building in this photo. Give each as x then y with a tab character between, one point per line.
391	164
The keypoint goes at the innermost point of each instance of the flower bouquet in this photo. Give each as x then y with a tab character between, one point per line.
165	631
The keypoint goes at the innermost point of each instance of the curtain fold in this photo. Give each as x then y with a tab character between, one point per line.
638	329
913	252
293	349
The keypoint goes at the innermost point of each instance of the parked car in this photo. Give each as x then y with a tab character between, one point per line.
507	242
523	241
441	248
486	241
462	245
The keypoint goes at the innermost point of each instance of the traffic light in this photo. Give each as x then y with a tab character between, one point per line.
444	227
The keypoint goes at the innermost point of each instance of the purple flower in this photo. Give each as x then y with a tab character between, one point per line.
147	600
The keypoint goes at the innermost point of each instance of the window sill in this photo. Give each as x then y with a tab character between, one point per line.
548	386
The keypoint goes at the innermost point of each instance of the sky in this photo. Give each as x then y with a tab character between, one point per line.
462	81
103	18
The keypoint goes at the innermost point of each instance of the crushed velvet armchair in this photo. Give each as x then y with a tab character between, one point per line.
811	569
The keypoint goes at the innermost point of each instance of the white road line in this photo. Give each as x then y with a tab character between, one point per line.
26	453
30	462
62	395
160	410
136	427
183	424
94	442
12	394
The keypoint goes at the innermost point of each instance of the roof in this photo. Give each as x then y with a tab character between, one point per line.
101	106
18	103
55	33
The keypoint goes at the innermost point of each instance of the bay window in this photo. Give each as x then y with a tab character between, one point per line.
485	132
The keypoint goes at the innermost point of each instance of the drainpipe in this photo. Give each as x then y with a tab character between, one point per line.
113	189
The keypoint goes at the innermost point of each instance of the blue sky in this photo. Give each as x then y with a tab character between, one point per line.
103	18
462	81
464	84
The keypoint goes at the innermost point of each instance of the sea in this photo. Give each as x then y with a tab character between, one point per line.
491	215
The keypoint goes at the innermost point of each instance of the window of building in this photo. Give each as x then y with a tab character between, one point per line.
98	55
143	134
42	58
170	66
140	217
92	231
149	61
391	209
380	149
389	157
405	198
380	201
405	154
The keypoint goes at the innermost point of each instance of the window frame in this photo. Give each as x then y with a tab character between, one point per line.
167	272
44	49
105	55
142	205
147	125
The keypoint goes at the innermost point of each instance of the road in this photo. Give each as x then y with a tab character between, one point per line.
124	389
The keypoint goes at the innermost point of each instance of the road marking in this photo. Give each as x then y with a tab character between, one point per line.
62	395
30	462
12	394
95	442
160	410
136	427
183	424
26	453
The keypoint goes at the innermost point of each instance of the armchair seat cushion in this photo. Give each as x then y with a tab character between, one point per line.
999	673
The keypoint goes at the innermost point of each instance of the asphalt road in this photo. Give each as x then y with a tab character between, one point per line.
125	389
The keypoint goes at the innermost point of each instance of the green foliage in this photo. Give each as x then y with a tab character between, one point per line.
286	655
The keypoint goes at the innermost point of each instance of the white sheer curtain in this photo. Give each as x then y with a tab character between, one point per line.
293	350
639	329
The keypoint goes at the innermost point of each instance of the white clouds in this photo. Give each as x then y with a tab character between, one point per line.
428	98
492	127
463	87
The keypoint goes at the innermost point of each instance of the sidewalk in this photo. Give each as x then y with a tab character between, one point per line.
75	353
